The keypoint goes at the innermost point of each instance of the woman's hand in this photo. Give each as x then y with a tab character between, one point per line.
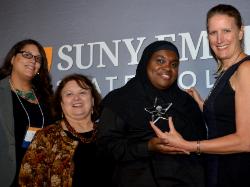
160	145
172	138
195	94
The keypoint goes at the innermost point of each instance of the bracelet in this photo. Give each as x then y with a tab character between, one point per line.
198	147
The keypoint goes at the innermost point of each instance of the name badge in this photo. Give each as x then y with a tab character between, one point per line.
30	133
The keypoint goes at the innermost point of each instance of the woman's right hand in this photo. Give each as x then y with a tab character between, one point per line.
167	142
160	145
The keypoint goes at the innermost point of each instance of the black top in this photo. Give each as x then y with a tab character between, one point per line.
219	111
21	123
91	170
125	130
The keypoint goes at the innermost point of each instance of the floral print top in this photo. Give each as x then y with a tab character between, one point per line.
49	159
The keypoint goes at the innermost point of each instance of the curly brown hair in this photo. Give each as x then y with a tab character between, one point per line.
83	82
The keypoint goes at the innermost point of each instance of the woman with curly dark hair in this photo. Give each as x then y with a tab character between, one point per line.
65	153
26	95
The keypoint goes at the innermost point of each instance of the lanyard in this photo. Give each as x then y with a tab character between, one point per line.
27	114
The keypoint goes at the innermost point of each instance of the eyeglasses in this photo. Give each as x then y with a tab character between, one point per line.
28	55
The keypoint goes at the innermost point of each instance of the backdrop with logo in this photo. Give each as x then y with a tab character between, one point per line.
104	39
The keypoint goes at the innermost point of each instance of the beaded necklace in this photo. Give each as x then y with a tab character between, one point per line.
26	112
79	135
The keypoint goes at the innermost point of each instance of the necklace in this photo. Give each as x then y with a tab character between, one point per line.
78	135
234	61
215	84
219	78
26	112
28	95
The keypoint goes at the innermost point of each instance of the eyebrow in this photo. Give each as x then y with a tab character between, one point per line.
30	52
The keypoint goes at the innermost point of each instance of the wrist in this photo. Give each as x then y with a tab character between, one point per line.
198	147
192	146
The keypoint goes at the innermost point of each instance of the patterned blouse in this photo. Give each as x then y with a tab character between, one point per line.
49	159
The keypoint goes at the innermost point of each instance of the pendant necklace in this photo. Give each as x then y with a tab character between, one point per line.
27	114
218	79
215	84
29	95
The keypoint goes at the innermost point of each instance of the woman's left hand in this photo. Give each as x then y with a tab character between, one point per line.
172	138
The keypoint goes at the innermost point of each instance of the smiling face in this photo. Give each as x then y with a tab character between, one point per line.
162	69
77	102
224	37
23	67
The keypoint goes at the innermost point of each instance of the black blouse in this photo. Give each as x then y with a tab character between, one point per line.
21	123
91	169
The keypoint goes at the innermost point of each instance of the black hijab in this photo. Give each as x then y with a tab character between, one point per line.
131	101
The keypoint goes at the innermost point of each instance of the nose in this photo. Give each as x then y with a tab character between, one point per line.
33	60
76	97
220	38
167	66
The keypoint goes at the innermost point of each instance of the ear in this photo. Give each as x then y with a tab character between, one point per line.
12	60
93	102
37	73
241	33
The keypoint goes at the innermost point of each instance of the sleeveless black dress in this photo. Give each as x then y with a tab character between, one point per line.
219	112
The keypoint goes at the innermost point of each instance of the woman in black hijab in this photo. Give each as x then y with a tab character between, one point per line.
142	159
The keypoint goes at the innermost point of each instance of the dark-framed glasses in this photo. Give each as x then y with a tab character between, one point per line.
28	55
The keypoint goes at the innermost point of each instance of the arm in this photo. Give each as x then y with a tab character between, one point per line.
240	140
233	143
158	144
34	168
113	138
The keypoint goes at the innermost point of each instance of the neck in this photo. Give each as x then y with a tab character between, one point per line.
78	135
80	126
236	58
20	84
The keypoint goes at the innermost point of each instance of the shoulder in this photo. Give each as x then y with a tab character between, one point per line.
50	131
240	79
47	137
53	127
243	70
185	96
131	89
114	96
245	66
188	101
4	82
